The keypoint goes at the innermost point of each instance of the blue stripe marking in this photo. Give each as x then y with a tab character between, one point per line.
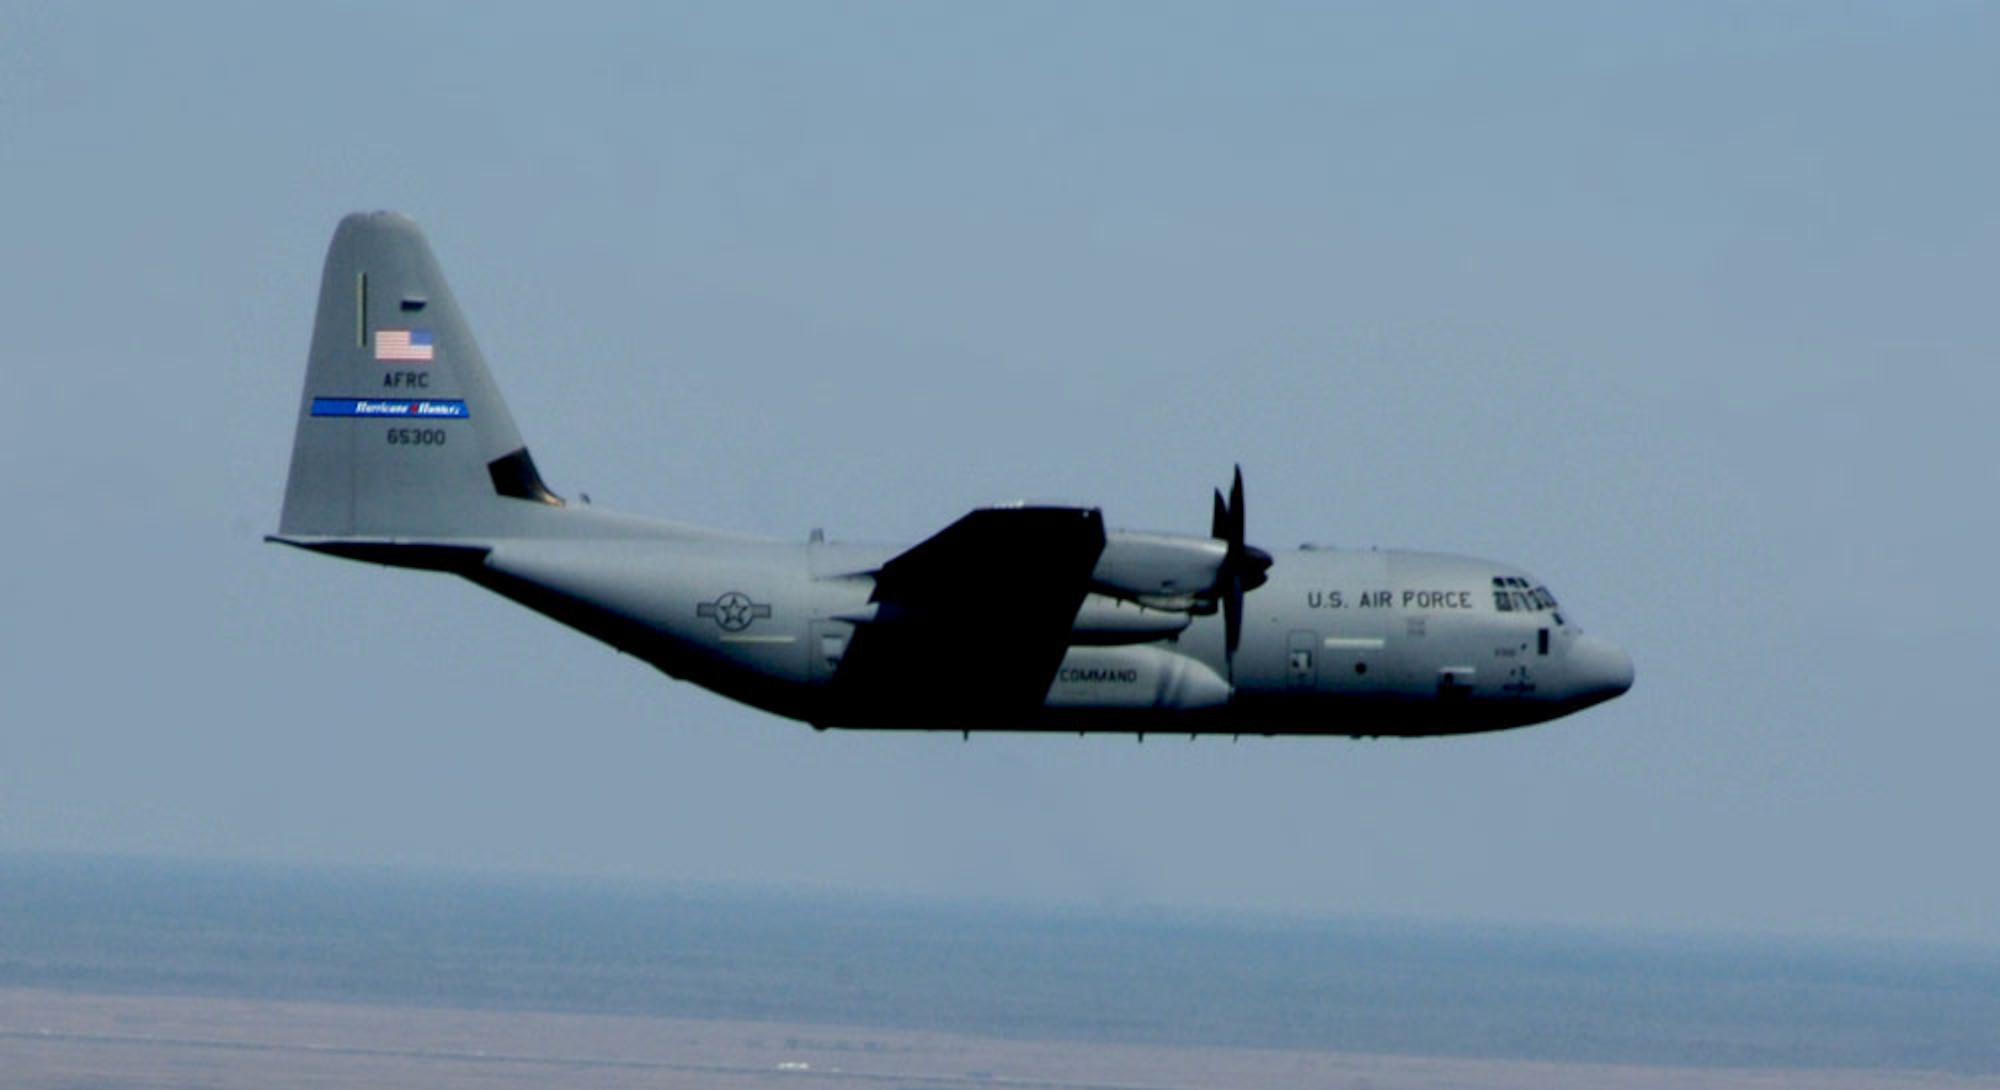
391	408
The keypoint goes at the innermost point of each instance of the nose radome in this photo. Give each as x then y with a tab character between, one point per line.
1598	669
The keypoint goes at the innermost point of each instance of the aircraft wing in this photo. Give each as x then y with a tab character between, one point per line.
978	614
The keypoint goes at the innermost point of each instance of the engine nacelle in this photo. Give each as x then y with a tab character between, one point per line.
1163	571
1103	621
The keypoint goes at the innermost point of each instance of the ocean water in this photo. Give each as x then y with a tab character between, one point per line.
382	936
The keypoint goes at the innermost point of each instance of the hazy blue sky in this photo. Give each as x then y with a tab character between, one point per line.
1689	311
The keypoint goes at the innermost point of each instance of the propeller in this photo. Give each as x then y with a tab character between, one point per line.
1243	566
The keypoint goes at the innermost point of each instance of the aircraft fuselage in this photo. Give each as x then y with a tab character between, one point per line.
1338	641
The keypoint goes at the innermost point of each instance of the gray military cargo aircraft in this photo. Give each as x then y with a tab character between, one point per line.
1023	618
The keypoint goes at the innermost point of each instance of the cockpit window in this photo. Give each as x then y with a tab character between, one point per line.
1513	594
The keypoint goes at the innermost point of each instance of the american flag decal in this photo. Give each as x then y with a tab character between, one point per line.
403	345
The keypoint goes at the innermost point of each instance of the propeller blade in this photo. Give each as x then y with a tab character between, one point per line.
1232	616
1236	524
1243	567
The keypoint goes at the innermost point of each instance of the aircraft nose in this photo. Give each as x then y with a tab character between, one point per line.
1598	669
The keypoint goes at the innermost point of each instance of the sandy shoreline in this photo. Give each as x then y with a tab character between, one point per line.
52	1040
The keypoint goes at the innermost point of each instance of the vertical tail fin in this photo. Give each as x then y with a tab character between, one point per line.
401	432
